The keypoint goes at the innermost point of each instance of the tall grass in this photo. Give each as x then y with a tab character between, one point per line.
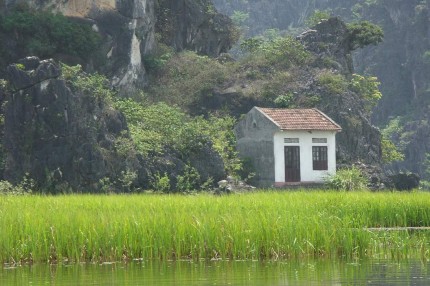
262	225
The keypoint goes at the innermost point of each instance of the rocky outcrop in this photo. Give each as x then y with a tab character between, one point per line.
57	136
194	25
330	39
359	139
68	139
129	29
401	62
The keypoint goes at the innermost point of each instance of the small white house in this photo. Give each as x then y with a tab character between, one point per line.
288	146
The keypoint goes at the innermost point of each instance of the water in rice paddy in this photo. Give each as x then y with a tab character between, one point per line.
372	272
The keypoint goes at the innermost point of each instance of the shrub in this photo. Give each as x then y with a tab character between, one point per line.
161	183
284	101
405	181
45	34
189	181
348	179
239	17
279	51
389	151
95	84
364	33
185	77
317	17
334	83
368	88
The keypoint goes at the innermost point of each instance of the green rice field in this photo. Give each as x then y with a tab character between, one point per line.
265	225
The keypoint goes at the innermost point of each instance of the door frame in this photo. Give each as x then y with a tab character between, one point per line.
292	165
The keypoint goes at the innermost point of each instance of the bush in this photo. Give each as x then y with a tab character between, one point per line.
334	83
317	17
364	33
368	88
185	77
189	181
405	181
348	179
161	183
45	34
389	151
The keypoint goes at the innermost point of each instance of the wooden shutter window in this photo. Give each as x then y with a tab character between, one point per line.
319	157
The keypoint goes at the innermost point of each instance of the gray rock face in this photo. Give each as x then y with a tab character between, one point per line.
194	25
399	62
58	136
37	72
330	39
359	139
68	140
129	29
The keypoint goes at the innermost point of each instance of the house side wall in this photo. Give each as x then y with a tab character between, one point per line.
254	134
306	164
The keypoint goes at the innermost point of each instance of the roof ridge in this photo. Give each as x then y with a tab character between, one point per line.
299	118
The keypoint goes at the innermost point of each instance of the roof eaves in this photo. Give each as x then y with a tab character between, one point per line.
328	118
268	117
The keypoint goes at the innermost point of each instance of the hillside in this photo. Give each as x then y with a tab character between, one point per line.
401	62
162	64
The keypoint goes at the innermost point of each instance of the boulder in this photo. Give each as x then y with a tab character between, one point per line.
405	181
55	134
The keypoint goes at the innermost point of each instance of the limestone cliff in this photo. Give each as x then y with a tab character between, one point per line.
69	138
129	31
401	62
194	25
61	138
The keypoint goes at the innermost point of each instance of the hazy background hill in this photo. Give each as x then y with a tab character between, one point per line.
401	62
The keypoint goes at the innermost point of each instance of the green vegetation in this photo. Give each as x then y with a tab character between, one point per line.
265	225
389	151
280	51
348	179
364	33
368	88
317	17
157	129
333	83
45	34
186	77
239	17
394	131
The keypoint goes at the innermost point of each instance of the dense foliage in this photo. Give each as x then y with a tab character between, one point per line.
45	34
157	129
364	33
348	179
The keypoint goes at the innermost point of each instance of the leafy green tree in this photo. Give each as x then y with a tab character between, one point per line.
44	34
239	17
316	17
368	88
251	45
364	33
334	83
389	151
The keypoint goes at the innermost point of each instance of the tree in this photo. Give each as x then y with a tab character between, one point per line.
368	88
317	17
364	33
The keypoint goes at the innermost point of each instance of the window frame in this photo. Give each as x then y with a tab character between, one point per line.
320	158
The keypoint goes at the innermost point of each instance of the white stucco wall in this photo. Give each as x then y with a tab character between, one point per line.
307	173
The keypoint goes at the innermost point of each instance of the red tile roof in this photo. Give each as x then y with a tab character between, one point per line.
300	119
